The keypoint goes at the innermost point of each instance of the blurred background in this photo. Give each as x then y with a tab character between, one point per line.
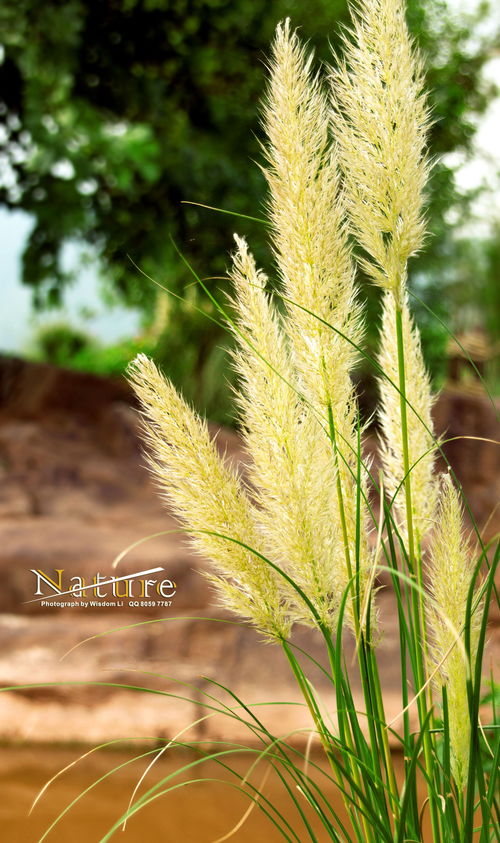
115	113
119	121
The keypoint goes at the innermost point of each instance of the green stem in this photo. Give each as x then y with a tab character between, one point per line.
360	638
324	738
404	438
340	496
391	778
415	570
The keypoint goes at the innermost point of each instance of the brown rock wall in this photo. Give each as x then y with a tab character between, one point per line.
73	494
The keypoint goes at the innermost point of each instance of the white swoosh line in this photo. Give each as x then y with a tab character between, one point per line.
95	585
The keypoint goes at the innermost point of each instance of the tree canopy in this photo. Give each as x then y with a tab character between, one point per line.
115	112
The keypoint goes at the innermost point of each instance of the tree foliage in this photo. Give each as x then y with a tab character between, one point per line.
115	111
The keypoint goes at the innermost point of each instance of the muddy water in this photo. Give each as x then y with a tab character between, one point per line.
197	813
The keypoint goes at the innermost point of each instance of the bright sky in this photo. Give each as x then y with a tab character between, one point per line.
17	322
483	168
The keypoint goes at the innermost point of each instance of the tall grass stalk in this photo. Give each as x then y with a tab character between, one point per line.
298	540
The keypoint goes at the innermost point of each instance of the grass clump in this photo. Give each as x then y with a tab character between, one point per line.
296	541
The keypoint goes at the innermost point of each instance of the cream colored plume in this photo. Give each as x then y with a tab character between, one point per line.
206	494
309	226
380	121
450	571
291	467
421	443
310	239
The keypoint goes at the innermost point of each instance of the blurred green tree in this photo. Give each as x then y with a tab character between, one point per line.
115	111
59	343
474	287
